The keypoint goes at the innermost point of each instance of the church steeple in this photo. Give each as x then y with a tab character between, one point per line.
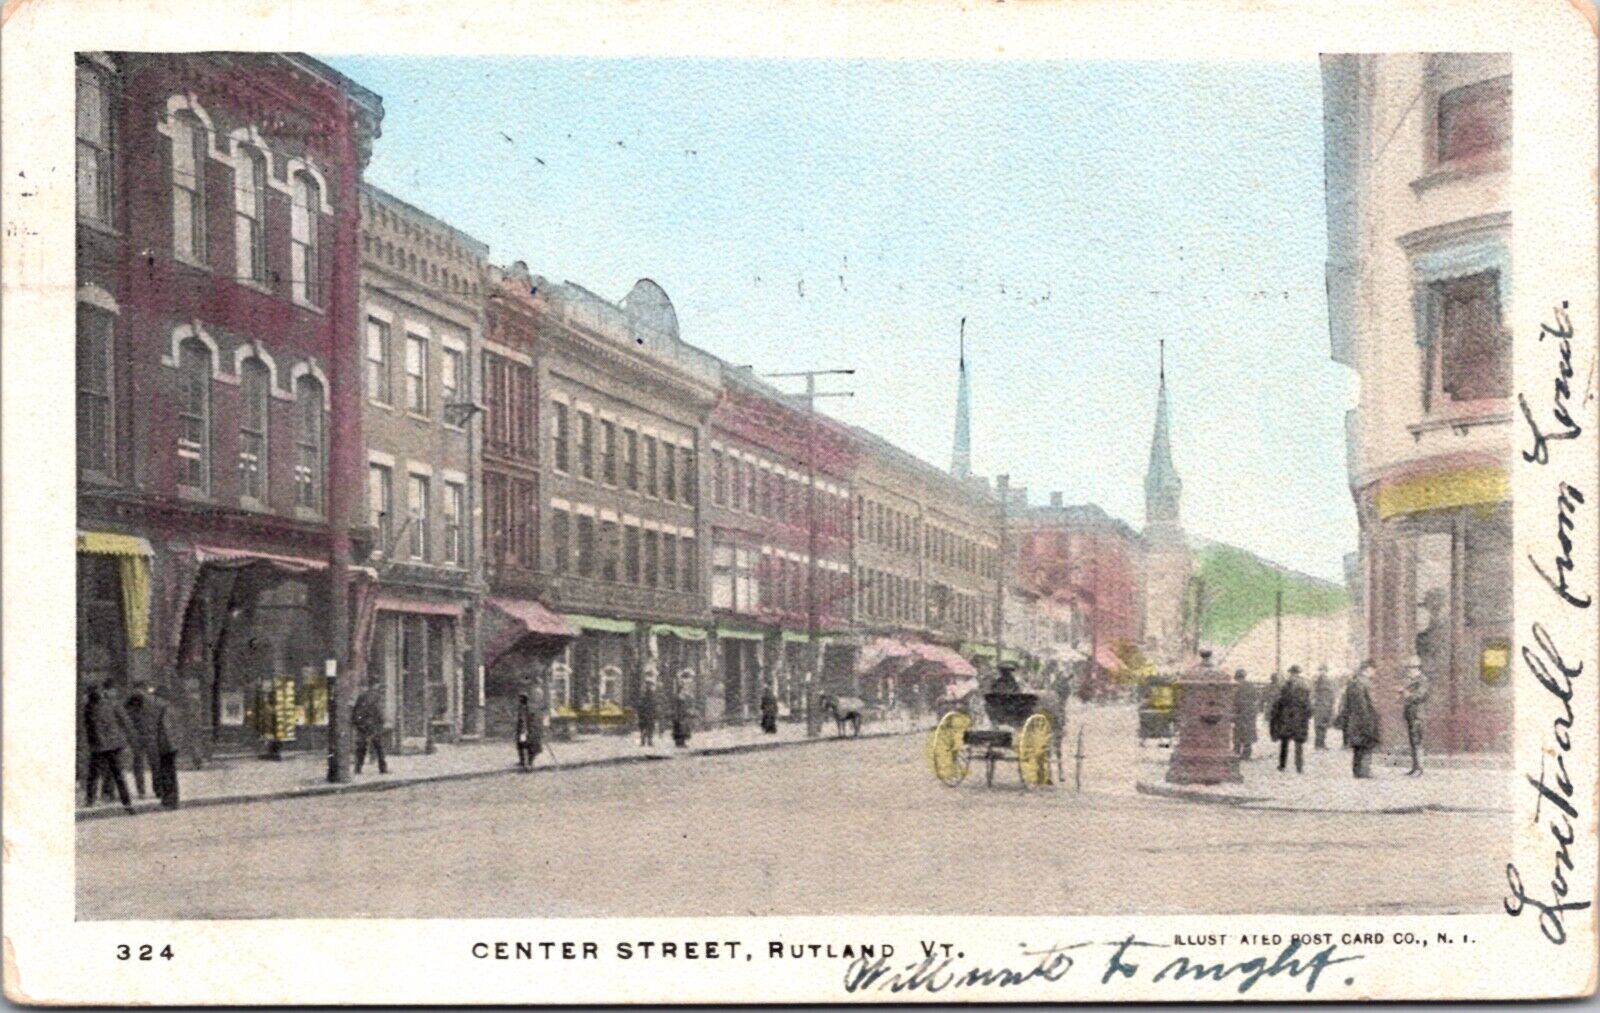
961	456
1162	487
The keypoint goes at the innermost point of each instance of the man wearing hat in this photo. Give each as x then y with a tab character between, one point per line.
1245	708
1413	694
1291	719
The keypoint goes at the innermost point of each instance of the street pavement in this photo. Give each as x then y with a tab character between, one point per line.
840	827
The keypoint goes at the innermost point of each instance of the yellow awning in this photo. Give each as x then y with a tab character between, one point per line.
106	543
1479	486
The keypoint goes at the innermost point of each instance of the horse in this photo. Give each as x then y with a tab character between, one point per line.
845	710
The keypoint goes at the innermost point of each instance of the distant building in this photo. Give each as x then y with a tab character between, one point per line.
219	412
1418	159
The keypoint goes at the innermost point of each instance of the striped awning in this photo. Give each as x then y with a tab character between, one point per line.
739	633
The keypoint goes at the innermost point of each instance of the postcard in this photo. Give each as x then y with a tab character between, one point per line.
598	502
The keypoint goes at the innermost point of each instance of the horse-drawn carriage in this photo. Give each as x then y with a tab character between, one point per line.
1025	728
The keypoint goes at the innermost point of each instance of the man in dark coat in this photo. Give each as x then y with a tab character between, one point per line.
1291	720
108	732
140	745
366	717
1412	696
156	739
1361	721
1322	705
682	716
647	713
1244	716
530	729
769	709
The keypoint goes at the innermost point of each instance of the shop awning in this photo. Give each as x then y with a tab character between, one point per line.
386	602
244	557
533	617
602	624
944	658
681	632
106	543
1106	658
738	633
975	650
883	651
800	637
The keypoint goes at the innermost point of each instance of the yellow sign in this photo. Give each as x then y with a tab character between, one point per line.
1482	487
1496	658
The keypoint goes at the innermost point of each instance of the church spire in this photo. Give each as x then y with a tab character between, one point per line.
961	456
1162	487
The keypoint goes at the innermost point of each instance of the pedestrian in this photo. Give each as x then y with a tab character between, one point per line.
1244	716
109	733
647	712
140	751
769	709
1322	705
1291	720
530	742
1361	721
366	717
1269	694
154	739
1413	695
682	713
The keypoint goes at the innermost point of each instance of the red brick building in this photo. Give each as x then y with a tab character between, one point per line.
219	434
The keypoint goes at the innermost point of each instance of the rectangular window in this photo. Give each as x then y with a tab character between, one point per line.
652	558
719	479
380	505
560	437
746	592
610	549
417	503
496	523
688	479
305	241
586	445
250	216
1471	346
560	543
608	451
750	480
417	374
454	508
188	189
630	458
721	575
450	363
194	417
669	471
586	554
630	551
691	564
1475	119
378	360
95	428
525	520
496	404
94	147
669	562
736	480
254	383
651	470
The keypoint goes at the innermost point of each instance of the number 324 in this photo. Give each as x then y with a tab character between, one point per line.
146	952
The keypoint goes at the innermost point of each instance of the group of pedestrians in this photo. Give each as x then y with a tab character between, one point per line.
1294	709
143	731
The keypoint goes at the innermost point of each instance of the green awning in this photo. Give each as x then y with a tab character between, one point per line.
972	650
1012	655
681	632
799	637
602	624
735	633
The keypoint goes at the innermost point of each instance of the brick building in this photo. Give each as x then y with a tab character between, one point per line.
219	412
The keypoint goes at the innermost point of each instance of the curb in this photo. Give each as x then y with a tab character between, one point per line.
1266	804
318	790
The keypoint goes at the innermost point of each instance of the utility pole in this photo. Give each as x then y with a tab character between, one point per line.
813	617
1277	656
1003	486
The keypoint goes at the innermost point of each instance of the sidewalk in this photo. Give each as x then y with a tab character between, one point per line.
1450	784
305	775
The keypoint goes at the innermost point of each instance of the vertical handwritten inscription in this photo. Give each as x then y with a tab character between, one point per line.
1557	798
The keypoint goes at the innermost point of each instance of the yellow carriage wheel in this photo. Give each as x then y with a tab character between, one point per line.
947	752
1033	749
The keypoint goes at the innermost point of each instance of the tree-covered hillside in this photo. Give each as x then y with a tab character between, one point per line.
1236	590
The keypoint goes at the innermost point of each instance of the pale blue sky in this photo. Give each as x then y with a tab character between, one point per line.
849	213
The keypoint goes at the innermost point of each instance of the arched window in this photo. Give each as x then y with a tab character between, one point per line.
305	271
255	391
194	416
250	217
308	443
189	145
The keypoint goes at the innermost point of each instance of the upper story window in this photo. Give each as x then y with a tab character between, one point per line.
736	483
189	145
96	409
450	375
417	503
255	392
194	416
378	360
1474	119
308	464
586	445
417	374
608	451
669	476
305	267
380	502
250	216
1470	345
560	438
651	468
95	171
719	479
630	458
688	480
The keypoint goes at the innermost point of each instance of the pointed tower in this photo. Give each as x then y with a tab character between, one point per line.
961	456
1166	551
